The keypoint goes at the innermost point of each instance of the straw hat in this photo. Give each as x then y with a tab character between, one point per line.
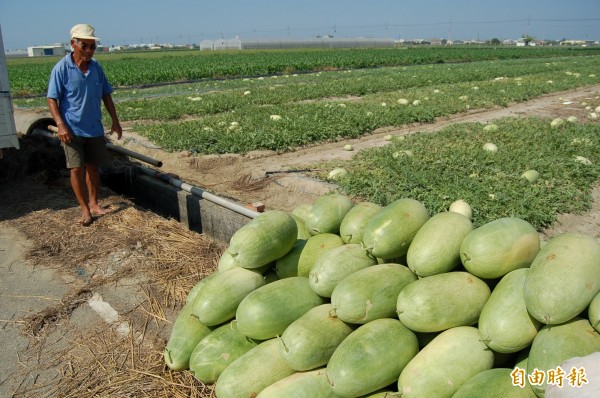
83	31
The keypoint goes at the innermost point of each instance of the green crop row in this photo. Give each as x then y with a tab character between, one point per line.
439	168
209	98
30	76
335	107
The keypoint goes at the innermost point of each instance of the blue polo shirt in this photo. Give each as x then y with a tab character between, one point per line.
79	95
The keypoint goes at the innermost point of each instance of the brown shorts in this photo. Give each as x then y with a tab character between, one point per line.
84	150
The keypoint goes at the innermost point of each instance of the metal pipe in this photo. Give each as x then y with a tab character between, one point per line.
135	155
43	133
290	171
199	192
121	150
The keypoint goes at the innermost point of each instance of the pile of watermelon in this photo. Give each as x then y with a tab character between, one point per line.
337	299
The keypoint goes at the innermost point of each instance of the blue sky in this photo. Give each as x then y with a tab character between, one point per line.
37	22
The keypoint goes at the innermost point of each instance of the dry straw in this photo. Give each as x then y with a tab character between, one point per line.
164	257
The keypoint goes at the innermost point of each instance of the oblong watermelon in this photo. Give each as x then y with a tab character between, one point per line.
315	246
226	261
355	221
445	364
371	357
555	344
269	310
504	324
287	266
300	385
302	230
391	230
436	246
327	213
302	211
217	350
498	247
220	296
252	372
310	340
493	383
267	237
186	333
370	293
564	278
197	287
336	264
442	301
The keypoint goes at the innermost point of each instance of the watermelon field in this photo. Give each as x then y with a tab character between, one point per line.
426	269
29	76
258	104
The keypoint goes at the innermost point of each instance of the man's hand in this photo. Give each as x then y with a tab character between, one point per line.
116	128
64	134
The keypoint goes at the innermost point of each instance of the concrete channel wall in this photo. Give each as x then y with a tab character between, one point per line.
197	214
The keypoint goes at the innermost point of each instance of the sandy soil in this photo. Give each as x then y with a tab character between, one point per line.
86	312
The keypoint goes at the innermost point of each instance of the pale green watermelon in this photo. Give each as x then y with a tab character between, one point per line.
267	237
391	230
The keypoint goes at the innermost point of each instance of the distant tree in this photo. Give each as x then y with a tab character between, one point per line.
495	41
528	39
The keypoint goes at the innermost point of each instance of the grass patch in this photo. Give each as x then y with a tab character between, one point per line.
451	164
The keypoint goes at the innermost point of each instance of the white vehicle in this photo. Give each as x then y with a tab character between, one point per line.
8	131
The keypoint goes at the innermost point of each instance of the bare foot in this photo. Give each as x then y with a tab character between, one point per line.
86	221
97	210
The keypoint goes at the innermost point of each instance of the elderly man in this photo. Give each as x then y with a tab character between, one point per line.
76	90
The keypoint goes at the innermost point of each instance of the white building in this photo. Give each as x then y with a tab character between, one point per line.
45	51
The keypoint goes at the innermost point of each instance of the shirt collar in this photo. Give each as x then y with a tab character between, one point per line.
71	62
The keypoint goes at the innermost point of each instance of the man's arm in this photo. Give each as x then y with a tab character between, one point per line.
64	133
112	111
